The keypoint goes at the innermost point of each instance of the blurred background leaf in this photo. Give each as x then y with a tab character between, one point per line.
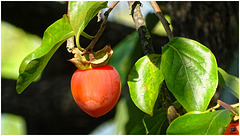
15	45
115	126
13	124
228	81
159	29
125	55
153	23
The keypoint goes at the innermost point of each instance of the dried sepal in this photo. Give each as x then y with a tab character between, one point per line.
91	60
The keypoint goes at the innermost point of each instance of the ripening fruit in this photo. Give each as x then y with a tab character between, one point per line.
96	90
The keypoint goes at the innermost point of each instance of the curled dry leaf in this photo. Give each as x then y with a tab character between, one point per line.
91	60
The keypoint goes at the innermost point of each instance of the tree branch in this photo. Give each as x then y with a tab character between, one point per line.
146	42
164	96
145	38
161	17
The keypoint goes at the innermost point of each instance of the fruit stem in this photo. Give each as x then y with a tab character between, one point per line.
102	27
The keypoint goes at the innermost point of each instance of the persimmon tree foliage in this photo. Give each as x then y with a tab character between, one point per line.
185	68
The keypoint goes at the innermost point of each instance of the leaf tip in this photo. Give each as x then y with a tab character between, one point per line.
19	91
149	113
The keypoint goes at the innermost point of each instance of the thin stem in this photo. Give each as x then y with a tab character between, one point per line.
70	41
102	27
226	106
161	17
144	35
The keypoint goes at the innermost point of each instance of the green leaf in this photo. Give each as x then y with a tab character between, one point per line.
80	14
229	81
144	82
190	72
12	124
125	55
33	64
121	117
117	125
150	125
208	123
141	124
21	45
135	115
151	21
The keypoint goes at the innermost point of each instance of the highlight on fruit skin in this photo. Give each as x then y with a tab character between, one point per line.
97	90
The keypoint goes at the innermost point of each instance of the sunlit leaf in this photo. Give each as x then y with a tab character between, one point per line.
190	72
144	82
81	12
35	62
209	123
229	81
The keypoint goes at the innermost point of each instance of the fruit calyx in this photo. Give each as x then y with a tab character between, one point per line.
88	60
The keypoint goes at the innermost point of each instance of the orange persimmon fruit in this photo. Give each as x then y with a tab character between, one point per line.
96	90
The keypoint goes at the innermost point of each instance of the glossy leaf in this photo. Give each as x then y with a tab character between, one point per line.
125	55
190	72
144	82
229	81
208	123
33	64
80	14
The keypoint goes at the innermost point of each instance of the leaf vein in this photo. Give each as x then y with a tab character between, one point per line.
212	122
184	66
